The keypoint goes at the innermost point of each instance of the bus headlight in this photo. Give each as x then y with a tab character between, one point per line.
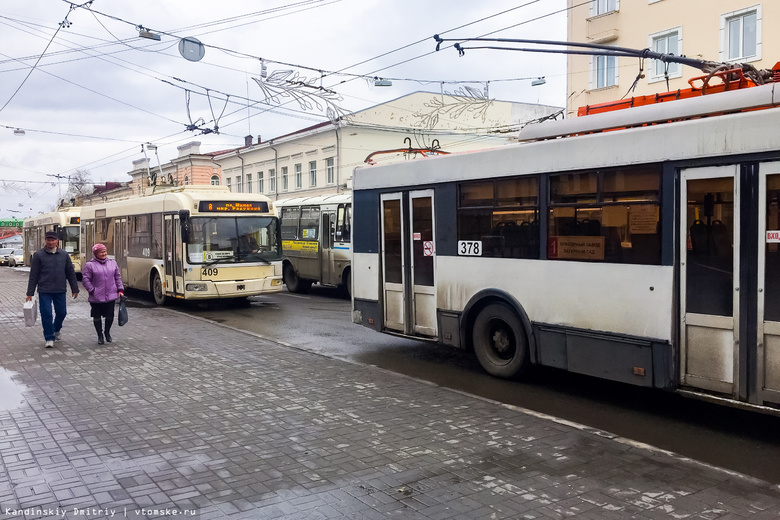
196	287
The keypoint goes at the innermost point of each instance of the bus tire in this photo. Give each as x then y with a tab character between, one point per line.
293	282
158	292
347	287
500	342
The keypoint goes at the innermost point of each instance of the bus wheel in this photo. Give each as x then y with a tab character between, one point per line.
157	289
500	341
293	282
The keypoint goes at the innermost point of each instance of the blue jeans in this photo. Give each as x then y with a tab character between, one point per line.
52	324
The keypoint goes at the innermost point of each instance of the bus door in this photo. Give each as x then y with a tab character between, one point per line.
173	262
730	280
768	284
327	260
120	246
408	263
709	290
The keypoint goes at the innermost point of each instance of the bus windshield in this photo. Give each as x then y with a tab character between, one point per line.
233	240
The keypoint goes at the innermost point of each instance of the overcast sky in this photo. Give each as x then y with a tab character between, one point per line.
87	91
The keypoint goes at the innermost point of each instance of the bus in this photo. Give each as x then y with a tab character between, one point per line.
65	222
190	242
316	241
639	245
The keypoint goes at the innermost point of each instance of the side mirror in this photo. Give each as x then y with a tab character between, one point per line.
184	220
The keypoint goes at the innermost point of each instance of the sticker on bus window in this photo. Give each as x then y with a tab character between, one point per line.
210	256
469	248
773	237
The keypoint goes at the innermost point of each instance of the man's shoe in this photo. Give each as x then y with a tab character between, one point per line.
108	337
49	343
58	335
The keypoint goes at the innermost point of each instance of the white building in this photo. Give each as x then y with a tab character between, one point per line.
320	159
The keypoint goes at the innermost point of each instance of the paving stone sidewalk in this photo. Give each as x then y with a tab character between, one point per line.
183	418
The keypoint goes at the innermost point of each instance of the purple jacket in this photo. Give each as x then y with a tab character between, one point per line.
102	280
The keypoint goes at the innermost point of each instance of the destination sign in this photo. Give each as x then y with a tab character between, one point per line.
224	206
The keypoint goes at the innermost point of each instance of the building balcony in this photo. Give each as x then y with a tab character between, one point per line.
603	28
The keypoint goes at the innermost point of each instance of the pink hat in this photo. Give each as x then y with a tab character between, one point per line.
98	247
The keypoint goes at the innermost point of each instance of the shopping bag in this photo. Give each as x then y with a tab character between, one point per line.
30	313
122	318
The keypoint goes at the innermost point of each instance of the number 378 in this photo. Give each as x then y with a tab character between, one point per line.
469	248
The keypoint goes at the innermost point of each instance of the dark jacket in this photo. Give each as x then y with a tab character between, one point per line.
50	271
102	280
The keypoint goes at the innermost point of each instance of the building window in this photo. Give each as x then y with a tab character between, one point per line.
271	181
227	183
605	71
298	177
249	183
239	184
666	42
331	170
603	6
260	186
215	180
740	35
312	173
285	186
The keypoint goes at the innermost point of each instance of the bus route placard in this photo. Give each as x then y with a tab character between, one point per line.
225	206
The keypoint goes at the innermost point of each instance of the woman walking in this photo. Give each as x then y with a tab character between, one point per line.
101	278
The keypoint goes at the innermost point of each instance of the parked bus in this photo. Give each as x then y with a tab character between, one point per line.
65	222
316	241
191	242
638	245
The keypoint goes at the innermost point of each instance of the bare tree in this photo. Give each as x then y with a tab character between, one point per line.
79	184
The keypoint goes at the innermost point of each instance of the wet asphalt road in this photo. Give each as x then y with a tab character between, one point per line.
739	440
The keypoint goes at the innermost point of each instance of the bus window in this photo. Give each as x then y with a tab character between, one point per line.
104	233
70	239
605	216
310	222
157	236
502	215
343	218
140	236
290	219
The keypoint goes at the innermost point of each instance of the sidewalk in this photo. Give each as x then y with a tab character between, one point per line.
180	417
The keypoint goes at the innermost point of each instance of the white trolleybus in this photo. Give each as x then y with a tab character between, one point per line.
192	242
316	241
65	222
606	245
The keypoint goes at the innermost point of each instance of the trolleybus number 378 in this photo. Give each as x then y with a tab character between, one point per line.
469	248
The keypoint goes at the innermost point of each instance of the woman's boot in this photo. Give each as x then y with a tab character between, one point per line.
109	322
99	330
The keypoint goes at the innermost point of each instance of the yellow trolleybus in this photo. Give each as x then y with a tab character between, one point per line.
191	242
65	222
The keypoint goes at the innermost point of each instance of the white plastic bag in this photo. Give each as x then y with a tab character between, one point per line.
30	313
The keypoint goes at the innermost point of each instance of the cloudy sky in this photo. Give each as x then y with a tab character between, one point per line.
87	91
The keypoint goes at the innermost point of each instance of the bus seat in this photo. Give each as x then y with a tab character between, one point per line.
699	237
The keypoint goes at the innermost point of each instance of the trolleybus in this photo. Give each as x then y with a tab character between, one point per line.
65	222
638	245
316	241
191	242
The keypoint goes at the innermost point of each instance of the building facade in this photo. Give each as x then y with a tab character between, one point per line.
731	31
319	160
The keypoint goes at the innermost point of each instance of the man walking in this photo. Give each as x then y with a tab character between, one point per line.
51	268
